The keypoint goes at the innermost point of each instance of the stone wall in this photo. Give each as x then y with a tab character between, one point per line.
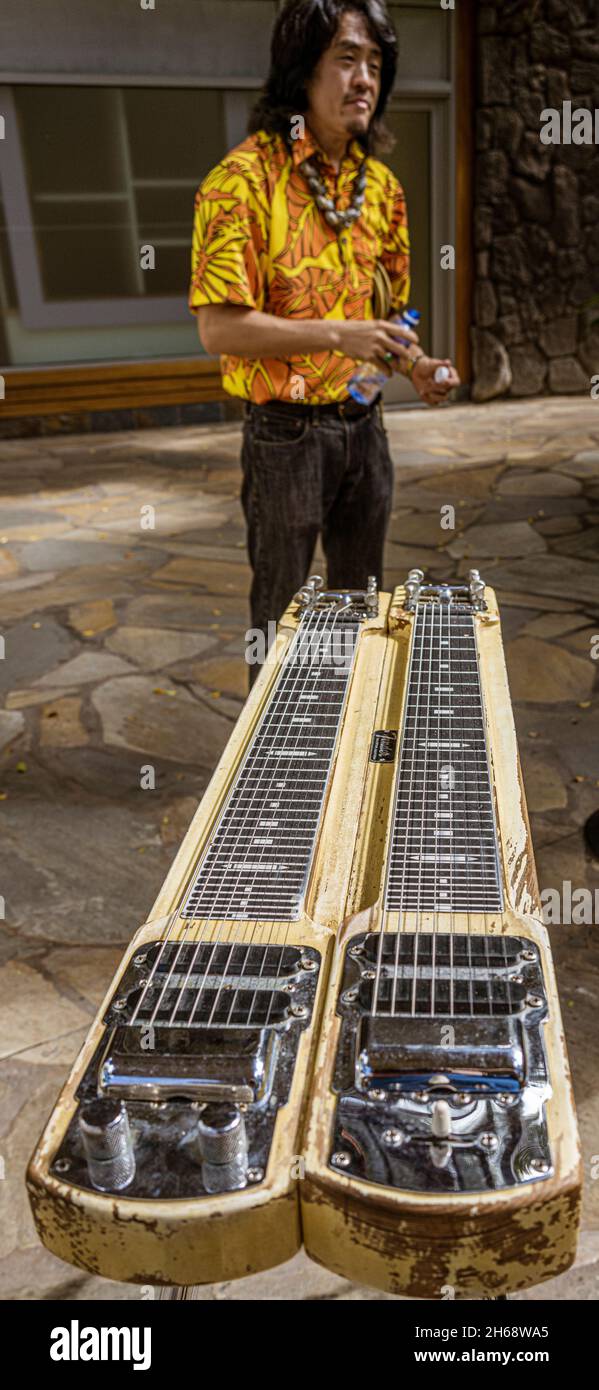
536	205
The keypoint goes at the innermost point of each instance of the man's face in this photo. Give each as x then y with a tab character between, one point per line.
345	87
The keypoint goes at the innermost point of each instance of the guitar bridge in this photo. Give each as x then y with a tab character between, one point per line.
440	1073
200	1051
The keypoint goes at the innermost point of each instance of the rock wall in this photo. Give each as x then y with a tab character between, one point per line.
536	328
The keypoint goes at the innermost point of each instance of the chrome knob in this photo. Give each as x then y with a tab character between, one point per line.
222	1142
107	1144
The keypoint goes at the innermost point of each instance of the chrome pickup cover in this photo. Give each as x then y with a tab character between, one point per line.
187	1027
440	1069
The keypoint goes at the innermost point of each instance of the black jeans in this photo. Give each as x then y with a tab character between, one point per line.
300	478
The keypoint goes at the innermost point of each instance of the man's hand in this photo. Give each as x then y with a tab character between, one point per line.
423	376
240	332
376	340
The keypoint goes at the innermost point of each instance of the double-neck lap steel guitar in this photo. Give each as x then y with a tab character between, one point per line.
340	1023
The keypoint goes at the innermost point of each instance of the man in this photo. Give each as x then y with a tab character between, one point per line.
288	233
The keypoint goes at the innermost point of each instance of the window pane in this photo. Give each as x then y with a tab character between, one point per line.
106	171
410	160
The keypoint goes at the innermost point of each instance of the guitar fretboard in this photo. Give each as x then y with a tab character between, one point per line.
444	855
257	863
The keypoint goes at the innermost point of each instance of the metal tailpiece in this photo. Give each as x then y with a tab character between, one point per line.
364	602
471	593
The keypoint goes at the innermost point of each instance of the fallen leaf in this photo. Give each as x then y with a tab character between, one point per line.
584	704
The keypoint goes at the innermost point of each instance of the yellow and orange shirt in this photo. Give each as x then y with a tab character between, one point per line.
260	241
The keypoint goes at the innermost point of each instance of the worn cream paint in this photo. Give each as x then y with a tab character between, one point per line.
414	1243
222	1237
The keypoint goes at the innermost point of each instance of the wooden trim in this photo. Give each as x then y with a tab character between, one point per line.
465	150
110	386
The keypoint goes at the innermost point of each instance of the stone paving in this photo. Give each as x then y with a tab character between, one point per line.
124	650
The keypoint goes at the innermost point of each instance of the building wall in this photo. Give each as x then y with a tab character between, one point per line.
536	204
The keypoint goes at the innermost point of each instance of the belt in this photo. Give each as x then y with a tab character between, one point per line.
341	410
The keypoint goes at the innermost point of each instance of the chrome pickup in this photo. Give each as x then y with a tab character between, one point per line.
234	1064
198	1054
440	1073
409	1054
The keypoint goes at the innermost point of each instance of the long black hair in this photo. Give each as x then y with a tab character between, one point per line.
303	31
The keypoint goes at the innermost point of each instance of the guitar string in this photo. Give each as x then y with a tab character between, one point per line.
353	631
325	650
328	629
469	774
482	811
493	831
277	708
424	795
322	626
324	617
259	794
438	818
451	780
206	924
397	813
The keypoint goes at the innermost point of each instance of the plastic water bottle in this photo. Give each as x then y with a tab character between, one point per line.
366	383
